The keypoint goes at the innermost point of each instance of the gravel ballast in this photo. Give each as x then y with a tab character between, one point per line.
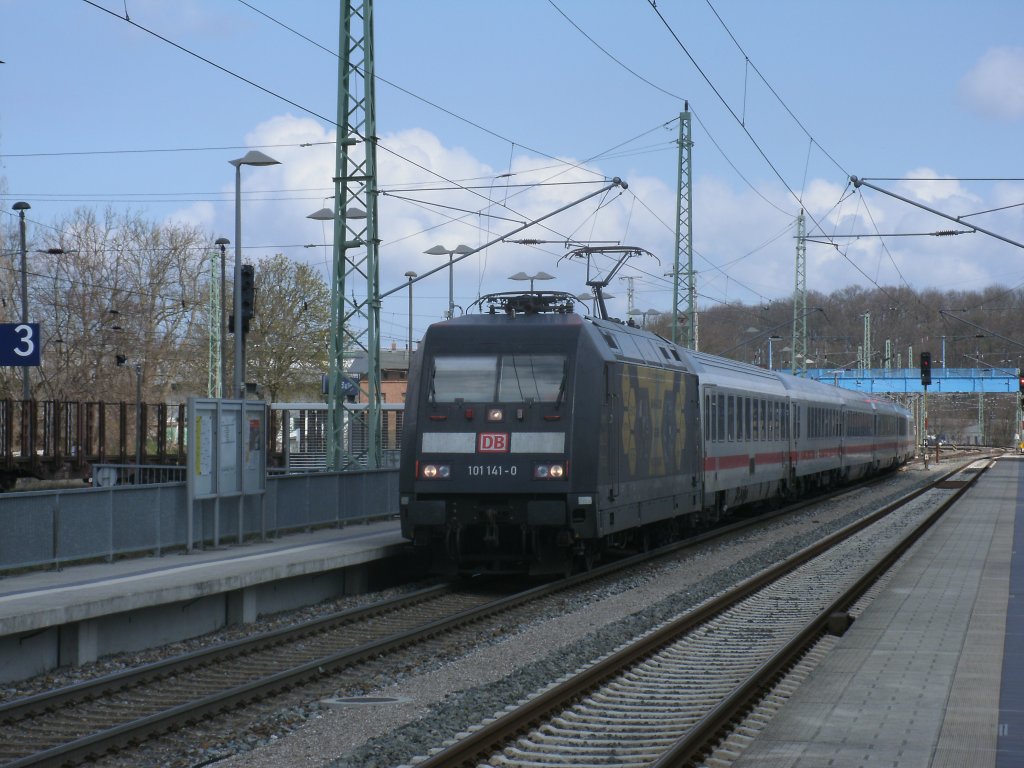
434	701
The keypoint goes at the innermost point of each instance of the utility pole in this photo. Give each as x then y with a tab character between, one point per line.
684	288
630	292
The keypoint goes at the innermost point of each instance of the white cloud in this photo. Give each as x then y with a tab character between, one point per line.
995	86
745	248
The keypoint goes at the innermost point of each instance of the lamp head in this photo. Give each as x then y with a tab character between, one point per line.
254	157
324	214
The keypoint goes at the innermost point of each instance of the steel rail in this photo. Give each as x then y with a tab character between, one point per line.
17	709
701	737
487	738
181	714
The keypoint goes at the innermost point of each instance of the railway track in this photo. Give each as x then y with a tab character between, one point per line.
666	699
75	723
84	721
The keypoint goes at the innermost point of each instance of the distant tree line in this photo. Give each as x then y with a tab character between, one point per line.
974	329
117	295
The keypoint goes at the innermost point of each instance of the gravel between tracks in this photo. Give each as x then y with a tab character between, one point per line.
437	699
433	704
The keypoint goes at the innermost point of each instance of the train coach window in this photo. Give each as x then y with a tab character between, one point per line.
720	427
531	377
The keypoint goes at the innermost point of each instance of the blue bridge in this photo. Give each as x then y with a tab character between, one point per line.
908	380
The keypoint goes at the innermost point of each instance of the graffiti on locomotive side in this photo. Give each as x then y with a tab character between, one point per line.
653	421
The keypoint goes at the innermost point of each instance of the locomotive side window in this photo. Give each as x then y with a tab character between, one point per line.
472	378
531	377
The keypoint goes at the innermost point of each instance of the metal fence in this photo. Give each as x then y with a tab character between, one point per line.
106	475
54	528
299	434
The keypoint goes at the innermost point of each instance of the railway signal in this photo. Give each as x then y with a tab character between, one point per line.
926	370
248	293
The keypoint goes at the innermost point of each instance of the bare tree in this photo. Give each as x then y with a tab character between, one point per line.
288	335
118	295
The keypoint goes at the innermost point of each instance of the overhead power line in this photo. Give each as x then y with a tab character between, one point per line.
86	152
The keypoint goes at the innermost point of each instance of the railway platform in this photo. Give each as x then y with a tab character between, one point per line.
79	613
930	675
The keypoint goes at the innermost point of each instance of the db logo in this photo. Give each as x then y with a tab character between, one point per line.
492	442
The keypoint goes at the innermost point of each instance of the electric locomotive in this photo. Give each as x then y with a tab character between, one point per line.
536	439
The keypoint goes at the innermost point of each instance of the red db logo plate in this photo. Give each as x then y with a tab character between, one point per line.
492	442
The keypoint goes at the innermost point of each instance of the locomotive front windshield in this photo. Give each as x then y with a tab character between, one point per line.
498	378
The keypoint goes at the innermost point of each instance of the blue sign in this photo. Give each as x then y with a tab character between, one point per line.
19	344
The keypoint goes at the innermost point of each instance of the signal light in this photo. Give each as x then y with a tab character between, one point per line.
248	290
926	368
1021	380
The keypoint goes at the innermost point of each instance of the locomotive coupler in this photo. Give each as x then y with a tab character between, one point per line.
453	540
490	527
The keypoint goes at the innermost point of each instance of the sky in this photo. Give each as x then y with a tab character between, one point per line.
491	114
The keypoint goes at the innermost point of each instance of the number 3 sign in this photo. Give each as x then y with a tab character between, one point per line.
19	344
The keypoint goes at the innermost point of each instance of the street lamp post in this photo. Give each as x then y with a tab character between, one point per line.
253	157
21	208
643	314
439	250
140	430
411	275
531	278
770	340
223	242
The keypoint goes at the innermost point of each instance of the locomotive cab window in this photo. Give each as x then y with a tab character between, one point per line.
532	377
471	378
498	378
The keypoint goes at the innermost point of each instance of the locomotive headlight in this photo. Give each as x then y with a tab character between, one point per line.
495	414
549	471
436	471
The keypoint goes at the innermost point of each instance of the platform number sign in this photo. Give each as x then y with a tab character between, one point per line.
19	344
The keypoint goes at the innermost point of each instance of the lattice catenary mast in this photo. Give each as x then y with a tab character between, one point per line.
800	301
684	288
355	323
213	385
